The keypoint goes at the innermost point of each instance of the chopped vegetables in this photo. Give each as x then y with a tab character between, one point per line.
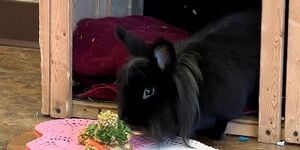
107	132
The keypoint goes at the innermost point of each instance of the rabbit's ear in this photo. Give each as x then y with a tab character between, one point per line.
134	45
164	53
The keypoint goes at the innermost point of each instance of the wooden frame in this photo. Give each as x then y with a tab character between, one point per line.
292	111
271	70
57	21
58	18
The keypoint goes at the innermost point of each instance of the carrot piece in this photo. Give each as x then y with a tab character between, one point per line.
96	144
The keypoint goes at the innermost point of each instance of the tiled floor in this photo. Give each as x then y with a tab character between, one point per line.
20	101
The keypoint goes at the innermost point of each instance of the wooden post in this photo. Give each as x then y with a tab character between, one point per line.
61	58
292	111
44	39
57	21
271	70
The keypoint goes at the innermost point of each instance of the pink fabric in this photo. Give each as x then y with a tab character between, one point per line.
98	54
61	134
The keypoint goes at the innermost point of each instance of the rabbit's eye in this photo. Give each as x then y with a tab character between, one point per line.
148	92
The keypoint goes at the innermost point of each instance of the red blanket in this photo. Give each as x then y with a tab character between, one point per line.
98	54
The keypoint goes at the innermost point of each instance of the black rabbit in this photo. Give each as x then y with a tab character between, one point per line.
194	86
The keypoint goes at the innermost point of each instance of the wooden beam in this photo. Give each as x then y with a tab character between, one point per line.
246	126
61	59
19	43
44	39
244	129
120	7
84	109
271	70
85	112
103	105
292	111
136	7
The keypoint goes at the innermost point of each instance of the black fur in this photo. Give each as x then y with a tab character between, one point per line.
195	86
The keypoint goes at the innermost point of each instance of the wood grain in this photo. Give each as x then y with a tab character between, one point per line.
236	128
136	7
271	70
103	105
97	9
85	112
61	58
84	109
84	9
44	39
107	7
292	122
20	141
120	7
19	43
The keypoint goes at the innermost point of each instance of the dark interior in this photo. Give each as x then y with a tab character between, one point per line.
192	15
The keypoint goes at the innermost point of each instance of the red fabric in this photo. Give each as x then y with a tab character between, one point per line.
98	54
105	92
